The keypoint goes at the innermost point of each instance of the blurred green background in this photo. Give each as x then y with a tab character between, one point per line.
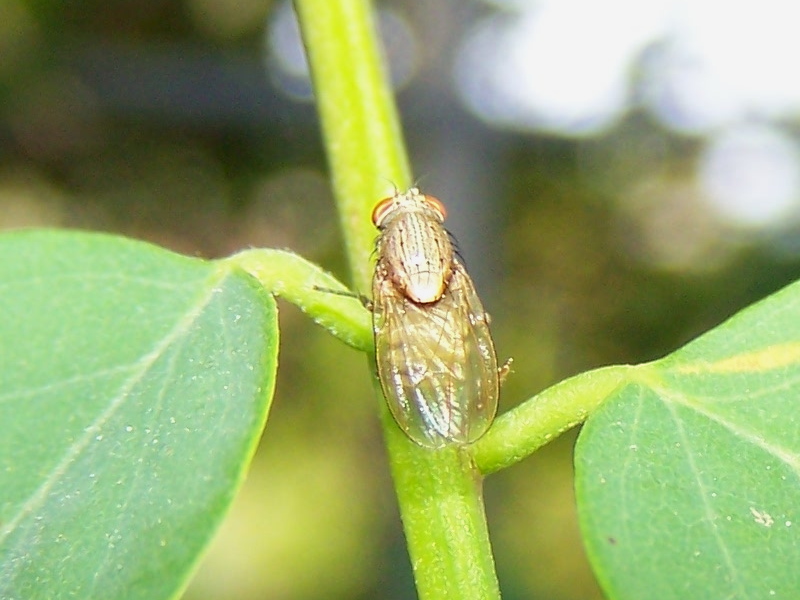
621	176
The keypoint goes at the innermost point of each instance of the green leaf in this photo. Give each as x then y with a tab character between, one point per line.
135	385
688	477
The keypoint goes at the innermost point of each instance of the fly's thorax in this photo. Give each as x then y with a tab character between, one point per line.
416	253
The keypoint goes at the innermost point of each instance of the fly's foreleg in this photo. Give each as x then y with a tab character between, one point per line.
366	302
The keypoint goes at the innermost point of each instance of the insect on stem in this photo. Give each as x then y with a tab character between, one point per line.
435	355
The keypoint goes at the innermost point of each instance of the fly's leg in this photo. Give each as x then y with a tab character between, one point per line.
366	302
505	370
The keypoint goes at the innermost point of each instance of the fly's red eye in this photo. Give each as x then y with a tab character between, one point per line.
380	211
436	205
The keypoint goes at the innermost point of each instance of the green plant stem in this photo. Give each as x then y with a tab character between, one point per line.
537	421
439	492
317	293
441	501
361	130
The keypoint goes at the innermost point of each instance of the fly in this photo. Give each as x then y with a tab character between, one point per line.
435	356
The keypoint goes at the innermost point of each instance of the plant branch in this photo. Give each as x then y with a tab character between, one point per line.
317	293
361	130
439	492
521	431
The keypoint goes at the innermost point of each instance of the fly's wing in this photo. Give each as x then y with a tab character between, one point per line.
436	362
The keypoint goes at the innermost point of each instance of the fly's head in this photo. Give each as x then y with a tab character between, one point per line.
403	204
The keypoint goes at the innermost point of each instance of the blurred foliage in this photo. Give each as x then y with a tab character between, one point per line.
158	120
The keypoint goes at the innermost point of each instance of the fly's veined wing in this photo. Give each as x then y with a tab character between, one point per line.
436	362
